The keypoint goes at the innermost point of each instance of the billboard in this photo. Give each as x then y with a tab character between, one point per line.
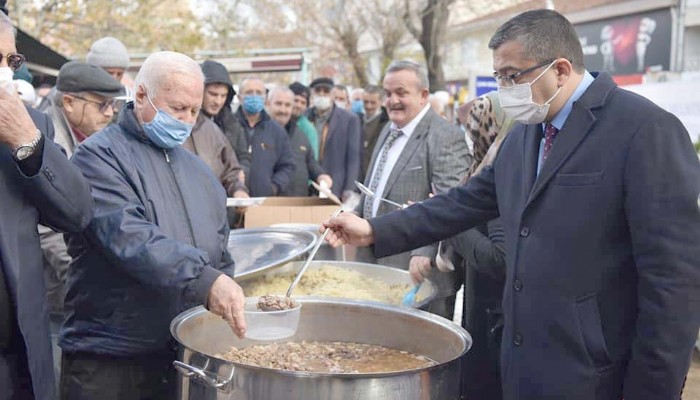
485	84
632	44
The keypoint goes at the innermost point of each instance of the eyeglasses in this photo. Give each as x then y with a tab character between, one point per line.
103	105
509	80
14	61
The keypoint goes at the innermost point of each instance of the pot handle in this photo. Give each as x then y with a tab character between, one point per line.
189	371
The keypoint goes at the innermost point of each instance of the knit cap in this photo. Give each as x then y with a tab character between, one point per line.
108	52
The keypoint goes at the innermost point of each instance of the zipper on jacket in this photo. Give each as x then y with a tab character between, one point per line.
182	199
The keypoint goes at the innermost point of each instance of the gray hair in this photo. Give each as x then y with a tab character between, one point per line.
406	65
58	98
245	80
280	89
159	68
6	23
374	89
544	34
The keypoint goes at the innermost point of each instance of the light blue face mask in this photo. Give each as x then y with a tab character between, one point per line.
358	107
253	104
165	131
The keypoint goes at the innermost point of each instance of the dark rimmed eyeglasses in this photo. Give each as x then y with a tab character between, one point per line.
14	61
509	80
103	105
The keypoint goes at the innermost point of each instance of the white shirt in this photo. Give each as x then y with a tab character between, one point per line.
393	155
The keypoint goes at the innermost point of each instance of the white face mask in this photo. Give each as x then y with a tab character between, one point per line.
6	82
517	103
341	104
322	102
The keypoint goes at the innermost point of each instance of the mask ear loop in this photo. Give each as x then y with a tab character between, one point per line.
539	76
149	98
543	72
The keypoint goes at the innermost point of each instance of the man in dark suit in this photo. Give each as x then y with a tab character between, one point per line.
418	153
338	138
375	119
601	220
39	185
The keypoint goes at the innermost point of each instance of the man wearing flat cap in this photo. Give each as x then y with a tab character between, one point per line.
84	104
338	138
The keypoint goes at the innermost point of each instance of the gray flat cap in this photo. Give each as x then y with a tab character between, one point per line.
76	76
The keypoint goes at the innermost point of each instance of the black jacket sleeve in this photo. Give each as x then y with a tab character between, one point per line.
459	209
663	213
58	189
284	168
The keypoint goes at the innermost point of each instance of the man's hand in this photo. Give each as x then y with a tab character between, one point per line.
325	178
348	228
16	127
240	194
419	268
227	300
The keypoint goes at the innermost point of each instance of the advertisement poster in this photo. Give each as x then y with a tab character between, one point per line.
632	44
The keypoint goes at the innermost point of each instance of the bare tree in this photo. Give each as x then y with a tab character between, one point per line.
334	27
386	29
70	26
430	34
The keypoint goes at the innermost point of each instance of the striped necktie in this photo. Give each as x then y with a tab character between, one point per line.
381	162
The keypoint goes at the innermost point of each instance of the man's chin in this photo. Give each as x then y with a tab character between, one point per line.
397	115
209	113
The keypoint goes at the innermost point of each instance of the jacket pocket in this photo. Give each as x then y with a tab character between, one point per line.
579	179
416	168
592	331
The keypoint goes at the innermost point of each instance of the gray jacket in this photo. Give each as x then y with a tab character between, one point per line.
436	157
53	246
154	248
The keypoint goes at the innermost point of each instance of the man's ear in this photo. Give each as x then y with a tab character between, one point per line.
140	97
68	103
564	70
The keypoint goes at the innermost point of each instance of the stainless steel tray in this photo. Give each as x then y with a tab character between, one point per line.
257	250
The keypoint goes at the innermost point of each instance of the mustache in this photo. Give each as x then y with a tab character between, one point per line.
397	107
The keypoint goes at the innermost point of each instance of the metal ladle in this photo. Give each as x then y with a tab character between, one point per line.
367	191
312	254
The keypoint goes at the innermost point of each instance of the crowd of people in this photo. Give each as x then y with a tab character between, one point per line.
566	207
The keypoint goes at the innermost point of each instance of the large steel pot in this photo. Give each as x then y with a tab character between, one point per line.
389	275
203	376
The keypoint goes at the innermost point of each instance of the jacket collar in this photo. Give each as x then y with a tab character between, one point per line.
243	120
576	127
130	124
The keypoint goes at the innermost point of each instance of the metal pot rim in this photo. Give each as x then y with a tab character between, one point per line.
461	332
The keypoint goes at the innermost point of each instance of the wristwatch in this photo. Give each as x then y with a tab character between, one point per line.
27	149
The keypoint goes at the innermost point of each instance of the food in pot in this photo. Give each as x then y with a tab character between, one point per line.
328	357
330	281
275	303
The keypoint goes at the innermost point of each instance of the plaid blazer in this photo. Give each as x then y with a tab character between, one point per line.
436	155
